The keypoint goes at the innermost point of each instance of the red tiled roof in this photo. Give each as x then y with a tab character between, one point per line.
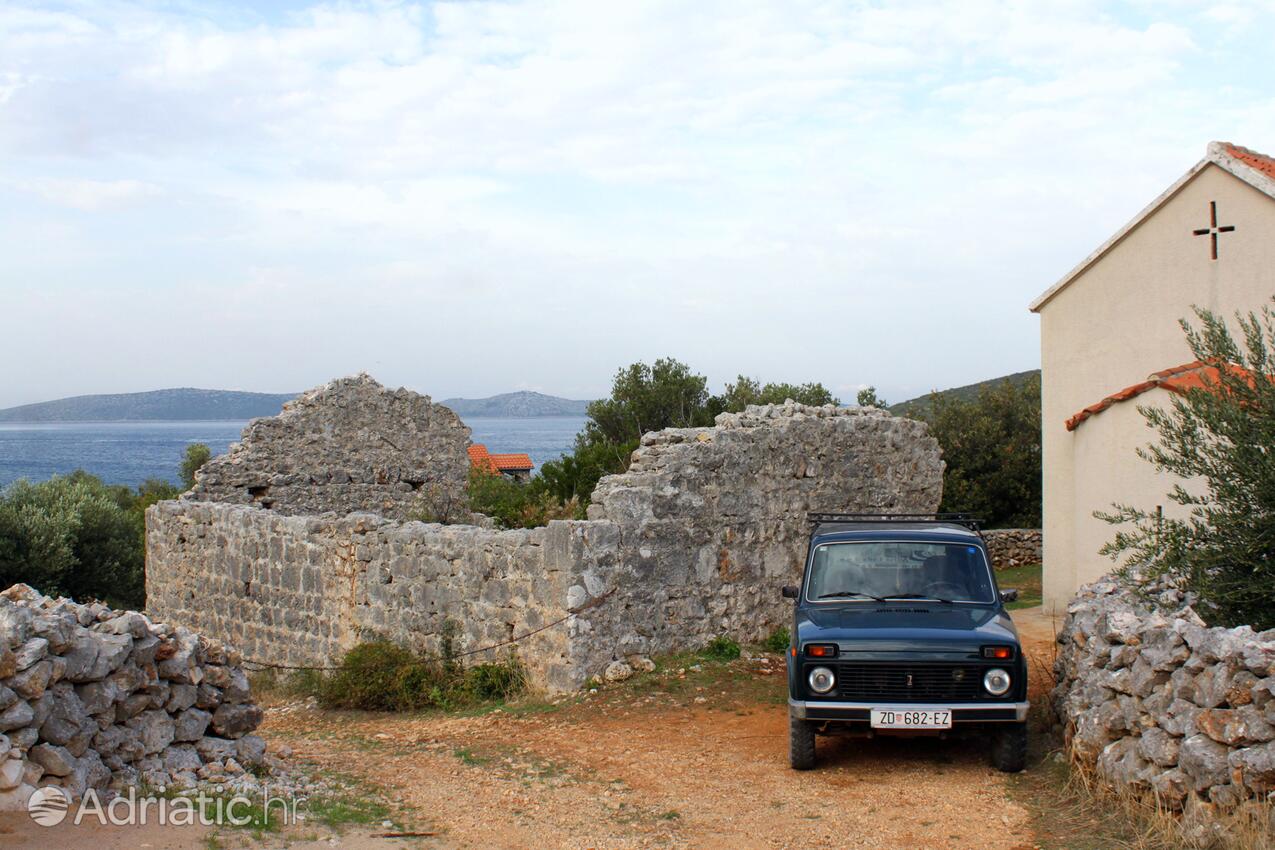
1257	161
515	462
1179	379
482	459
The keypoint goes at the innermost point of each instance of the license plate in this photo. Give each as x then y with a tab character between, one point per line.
907	718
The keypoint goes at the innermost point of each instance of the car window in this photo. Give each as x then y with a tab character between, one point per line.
956	572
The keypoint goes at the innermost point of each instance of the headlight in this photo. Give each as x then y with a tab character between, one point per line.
821	680
996	682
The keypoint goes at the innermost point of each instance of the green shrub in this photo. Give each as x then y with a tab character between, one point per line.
778	641
499	681
517	504
991	446
74	535
722	648
379	675
197	454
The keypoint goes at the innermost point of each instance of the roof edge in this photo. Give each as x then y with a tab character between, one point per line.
1217	154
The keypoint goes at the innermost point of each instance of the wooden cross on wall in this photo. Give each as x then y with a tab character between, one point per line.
1213	230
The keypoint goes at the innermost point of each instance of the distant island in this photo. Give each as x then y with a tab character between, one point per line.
186	404
175	405
521	404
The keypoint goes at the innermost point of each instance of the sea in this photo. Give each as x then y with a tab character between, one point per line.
131	452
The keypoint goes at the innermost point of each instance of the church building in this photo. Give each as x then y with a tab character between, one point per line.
1110	341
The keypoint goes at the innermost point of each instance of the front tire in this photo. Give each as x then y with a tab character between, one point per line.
1009	747
801	744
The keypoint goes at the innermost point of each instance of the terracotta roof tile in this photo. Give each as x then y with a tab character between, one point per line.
1189	376
483	459
516	462
1257	161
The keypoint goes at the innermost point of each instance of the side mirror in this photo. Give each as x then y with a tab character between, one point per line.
791	591
1009	594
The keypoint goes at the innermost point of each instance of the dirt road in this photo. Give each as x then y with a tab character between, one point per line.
697	759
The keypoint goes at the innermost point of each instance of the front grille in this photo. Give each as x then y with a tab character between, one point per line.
909	682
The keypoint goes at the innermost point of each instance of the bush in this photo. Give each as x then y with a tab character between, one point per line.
517	504
380	675
992	449
1220	436
73	535
778	641
197	454
722	648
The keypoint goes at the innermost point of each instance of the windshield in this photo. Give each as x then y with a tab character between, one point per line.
880	570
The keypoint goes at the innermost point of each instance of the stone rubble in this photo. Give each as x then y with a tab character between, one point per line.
103	699
1013	547
1157	701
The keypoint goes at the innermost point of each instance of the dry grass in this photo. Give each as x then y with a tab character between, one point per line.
1073	809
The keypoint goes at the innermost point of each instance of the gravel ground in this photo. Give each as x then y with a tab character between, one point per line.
696	759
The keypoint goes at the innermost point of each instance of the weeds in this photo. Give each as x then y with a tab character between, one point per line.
380	675
722	648
778	641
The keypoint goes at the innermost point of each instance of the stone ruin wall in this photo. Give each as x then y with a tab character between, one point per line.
1013	547
709	523
95	698
302	590
692	542
349	445
1158	702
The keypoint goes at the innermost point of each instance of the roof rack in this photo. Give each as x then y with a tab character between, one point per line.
970	522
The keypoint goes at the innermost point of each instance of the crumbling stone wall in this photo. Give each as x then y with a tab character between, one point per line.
709	523
349	445
1159	702
91	698
1013	547
694	541
302	590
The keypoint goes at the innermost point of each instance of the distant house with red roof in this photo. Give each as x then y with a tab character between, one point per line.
516	465
1110	335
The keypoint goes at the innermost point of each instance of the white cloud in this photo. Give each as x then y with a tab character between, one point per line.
89	195
703	180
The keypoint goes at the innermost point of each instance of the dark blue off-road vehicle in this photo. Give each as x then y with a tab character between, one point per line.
900	629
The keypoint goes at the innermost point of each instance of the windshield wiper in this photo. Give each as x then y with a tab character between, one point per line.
847	593
917	596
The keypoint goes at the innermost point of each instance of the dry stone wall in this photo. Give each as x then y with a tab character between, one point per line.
349	445
693	541
302	590
1013	547
1159	702
709	523
95	698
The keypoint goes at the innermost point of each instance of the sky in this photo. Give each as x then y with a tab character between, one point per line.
475	197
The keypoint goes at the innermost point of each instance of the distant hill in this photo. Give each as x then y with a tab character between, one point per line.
521	403
965	393
179	404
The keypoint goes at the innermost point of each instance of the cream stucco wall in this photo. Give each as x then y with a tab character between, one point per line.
1114	325
1107	471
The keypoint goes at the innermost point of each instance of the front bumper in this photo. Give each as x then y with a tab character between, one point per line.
989	712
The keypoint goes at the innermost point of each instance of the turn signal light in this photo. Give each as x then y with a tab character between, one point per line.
821	650
999	652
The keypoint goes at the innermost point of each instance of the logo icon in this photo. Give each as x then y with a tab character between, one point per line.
48	806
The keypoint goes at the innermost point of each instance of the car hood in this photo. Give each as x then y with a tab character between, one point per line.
913	627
